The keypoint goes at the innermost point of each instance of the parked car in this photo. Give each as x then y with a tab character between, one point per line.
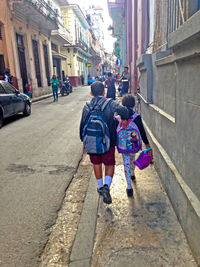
99	78
12	102
91	80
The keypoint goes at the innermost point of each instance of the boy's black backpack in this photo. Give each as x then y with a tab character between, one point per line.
96	136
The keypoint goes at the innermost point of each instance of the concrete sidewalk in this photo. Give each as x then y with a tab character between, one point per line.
39	98
131	232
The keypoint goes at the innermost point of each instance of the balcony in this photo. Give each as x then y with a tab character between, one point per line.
115	3
95	56
61	36
36	11
82	45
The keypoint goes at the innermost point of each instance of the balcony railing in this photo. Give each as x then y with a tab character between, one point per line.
82	45
180	11
40	5
44	8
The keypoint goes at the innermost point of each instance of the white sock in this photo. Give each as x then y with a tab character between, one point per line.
100	183
108	180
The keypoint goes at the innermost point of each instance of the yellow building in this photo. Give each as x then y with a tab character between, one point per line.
76	65
32	22
6	49
31	34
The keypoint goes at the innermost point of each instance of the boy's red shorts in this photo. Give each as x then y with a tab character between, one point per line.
107	159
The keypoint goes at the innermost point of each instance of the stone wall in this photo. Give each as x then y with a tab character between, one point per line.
170	107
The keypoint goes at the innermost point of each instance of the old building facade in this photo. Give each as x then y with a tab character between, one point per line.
31	24
77	52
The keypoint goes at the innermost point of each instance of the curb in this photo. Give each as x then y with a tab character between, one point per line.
40	98
84	241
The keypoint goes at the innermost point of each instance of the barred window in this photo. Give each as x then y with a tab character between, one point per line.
54	47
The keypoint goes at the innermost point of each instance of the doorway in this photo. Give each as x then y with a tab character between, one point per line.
46	63
22	59
37	62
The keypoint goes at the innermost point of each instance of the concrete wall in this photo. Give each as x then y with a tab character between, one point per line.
170	98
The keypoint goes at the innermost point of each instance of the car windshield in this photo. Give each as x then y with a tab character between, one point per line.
9	88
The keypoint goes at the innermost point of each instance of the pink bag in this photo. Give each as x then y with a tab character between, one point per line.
143	160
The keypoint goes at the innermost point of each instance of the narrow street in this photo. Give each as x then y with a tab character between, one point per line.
142	231
39	157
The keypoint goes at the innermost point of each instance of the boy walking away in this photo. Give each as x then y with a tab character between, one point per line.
98	134
55	84
129	134
110	85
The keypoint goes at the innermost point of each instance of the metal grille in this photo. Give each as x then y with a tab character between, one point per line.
179	11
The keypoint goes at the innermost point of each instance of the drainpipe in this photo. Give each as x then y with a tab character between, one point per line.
135	45
146	25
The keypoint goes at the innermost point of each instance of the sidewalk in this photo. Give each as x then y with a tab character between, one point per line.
131	232
36	99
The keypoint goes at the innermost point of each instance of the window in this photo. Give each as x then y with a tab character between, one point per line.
1	37
1	90
9	88
54	47
2	65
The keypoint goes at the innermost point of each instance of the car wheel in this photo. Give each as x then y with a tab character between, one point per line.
1	120
27	109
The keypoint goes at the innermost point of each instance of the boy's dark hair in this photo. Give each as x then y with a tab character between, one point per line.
129	102
109	74
97	88
126	67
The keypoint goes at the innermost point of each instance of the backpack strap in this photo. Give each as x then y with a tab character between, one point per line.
105	103
102	103
134	116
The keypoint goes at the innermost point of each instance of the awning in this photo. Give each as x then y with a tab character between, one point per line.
60	38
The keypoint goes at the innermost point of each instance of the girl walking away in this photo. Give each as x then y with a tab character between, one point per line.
110	85
130	134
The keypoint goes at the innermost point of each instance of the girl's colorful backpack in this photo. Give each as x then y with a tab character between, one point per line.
143	160
129	140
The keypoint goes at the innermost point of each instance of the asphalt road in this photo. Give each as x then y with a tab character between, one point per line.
39	156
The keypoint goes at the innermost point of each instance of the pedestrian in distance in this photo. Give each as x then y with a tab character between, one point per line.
55	85
98	134
110	85
130	132
125	81
82	79
7	77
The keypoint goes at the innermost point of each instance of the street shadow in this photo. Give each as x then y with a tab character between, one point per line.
13	119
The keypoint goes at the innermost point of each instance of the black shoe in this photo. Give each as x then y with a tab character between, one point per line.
106	195
99	190
129	192
133	178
